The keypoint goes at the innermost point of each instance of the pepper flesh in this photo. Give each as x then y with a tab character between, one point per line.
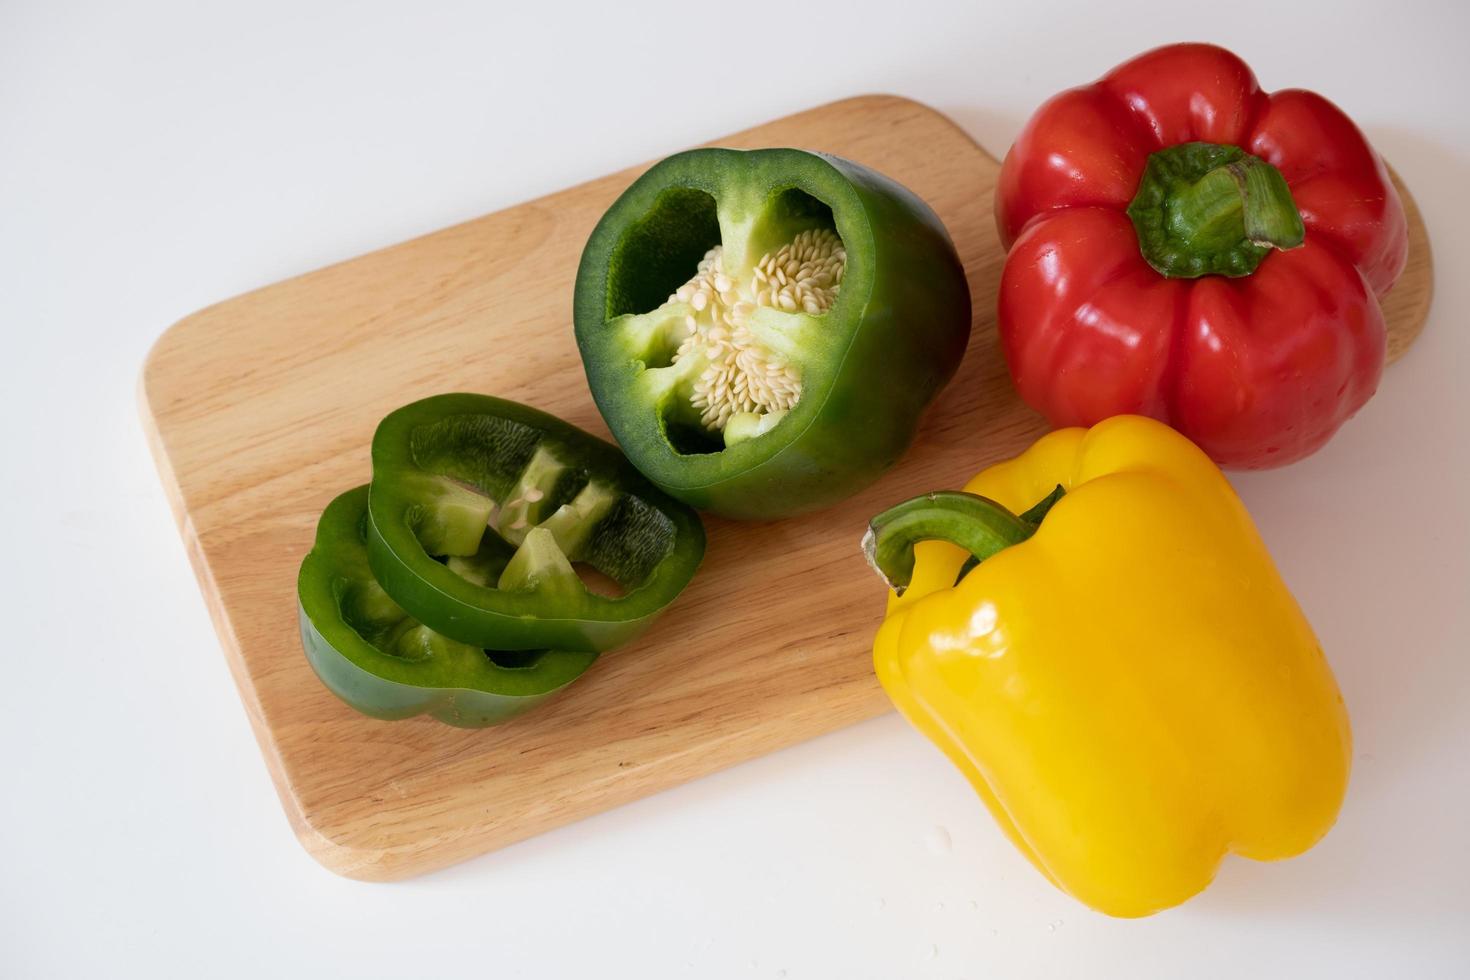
867	366
510	497
1132	691
1259	370
378	659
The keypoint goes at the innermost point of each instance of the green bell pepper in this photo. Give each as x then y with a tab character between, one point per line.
480	507
384	663
762	329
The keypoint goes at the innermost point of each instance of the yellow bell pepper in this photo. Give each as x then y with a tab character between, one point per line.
1129	685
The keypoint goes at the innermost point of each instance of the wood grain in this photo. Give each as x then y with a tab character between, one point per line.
260	410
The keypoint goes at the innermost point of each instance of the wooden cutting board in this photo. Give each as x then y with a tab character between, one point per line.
260	411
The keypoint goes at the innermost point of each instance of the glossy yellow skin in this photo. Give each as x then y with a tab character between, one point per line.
1133	692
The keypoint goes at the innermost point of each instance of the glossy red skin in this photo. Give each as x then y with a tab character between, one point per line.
1258	371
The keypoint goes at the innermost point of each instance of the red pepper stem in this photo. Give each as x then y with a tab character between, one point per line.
1248	191
1208	208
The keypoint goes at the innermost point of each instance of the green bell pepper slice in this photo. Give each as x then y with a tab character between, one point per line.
762	329
481	509
386	664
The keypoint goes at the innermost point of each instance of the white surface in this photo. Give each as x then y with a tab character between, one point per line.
155	158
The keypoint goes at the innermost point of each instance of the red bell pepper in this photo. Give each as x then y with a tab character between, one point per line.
1186	246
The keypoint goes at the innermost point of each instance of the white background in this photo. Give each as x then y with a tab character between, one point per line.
156	157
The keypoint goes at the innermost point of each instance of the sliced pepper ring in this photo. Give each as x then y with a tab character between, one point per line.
479	507
840	308
384	663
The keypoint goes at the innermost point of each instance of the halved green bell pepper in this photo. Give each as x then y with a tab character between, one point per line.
762	329
386	664
480	508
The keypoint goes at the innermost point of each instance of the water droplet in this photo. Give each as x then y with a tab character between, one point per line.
933	951
780	973
879	905
755	965
938	840
939	906
974	906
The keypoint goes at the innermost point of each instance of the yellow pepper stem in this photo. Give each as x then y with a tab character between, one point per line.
978	524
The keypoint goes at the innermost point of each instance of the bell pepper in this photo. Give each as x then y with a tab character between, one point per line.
480	508
384	663
762	329
1128	684
1186	246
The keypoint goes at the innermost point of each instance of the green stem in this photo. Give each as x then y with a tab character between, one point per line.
977	524
1034	517
1208	208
